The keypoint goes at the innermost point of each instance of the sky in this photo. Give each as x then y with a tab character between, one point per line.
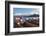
20	11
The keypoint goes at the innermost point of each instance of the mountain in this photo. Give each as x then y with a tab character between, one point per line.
34	15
